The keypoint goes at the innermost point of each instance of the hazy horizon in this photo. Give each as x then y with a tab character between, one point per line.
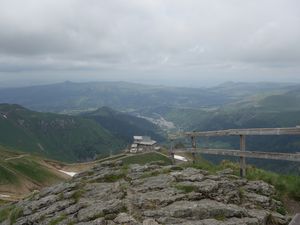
41	83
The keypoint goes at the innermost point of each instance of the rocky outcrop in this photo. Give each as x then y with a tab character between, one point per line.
111	194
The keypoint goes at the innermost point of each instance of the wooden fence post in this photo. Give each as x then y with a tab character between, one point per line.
172	152
242	158
194	146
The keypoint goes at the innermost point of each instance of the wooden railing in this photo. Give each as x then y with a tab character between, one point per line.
242	153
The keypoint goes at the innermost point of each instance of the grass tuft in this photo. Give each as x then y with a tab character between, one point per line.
220	217
57	220
4	213
15	214
77	194
114	177
285	185
186	188
144	158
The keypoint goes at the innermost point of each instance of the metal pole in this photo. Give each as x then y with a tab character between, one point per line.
242	158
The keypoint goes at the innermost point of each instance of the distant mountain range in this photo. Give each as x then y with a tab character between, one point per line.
97	108
69	97
70	138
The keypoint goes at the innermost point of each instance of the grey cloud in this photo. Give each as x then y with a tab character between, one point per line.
165	36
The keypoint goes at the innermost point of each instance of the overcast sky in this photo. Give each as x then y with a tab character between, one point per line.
175	42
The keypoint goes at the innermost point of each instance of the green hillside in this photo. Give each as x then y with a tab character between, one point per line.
124	126
289	101
145	158
278	110
62	137
71	138
273	110
21	173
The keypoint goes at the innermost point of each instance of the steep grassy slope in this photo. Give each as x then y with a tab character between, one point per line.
62	137
21	173
147	158
71	138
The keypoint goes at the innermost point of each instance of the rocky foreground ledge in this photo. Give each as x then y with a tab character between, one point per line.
112	194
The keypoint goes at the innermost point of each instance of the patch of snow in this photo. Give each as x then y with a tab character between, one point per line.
40	146
71	174
181	158
4	196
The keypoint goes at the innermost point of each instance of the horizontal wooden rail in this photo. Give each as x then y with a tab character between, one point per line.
249	154
242	153
250	131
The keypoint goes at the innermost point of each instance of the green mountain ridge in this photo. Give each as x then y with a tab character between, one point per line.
118	123
63	137
280	110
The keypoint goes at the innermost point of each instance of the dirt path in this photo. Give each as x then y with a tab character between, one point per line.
16	157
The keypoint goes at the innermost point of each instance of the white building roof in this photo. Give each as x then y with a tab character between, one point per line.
138	138
147	142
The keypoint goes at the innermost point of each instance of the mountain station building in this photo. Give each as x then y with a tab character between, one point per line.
143	144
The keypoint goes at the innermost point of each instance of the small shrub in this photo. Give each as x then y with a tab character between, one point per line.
77	194
281	210
220	217
114	177
125	167
186	188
